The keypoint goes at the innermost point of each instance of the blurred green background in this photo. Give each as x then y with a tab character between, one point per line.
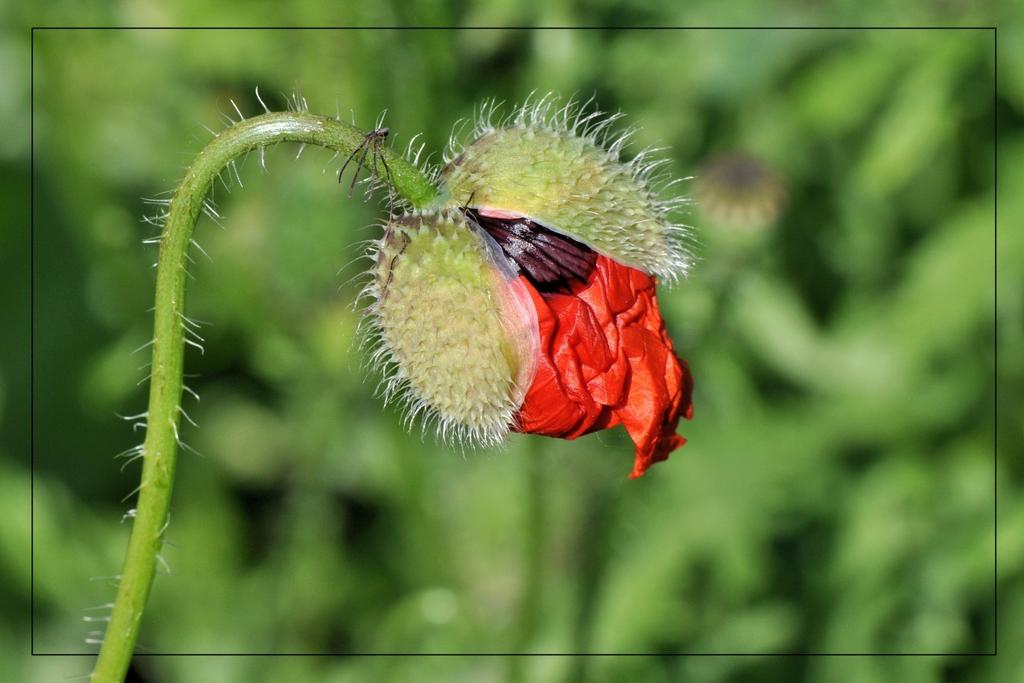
836	494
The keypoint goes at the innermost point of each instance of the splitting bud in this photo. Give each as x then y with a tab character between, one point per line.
525	301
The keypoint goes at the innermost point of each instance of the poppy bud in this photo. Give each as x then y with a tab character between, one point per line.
738	192
528	302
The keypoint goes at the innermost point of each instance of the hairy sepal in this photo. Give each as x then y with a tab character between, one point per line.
455	333
560	167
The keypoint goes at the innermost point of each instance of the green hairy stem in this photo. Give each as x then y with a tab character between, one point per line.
164	410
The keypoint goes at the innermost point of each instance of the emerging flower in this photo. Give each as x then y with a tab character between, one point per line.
526	300
604	355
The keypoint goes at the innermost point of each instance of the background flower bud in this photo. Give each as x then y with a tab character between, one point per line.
452	322
555	168
738	192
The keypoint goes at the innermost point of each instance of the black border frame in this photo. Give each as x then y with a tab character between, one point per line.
995	338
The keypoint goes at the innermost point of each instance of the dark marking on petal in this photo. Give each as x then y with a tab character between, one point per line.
549	260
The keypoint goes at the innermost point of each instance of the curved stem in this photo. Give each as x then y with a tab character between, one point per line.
164	411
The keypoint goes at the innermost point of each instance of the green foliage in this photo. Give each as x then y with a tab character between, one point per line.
836	490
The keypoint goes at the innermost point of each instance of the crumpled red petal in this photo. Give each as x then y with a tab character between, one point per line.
606	359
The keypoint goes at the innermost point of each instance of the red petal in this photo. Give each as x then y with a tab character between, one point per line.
606	359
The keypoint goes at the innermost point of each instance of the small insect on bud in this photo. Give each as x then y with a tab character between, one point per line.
457	327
